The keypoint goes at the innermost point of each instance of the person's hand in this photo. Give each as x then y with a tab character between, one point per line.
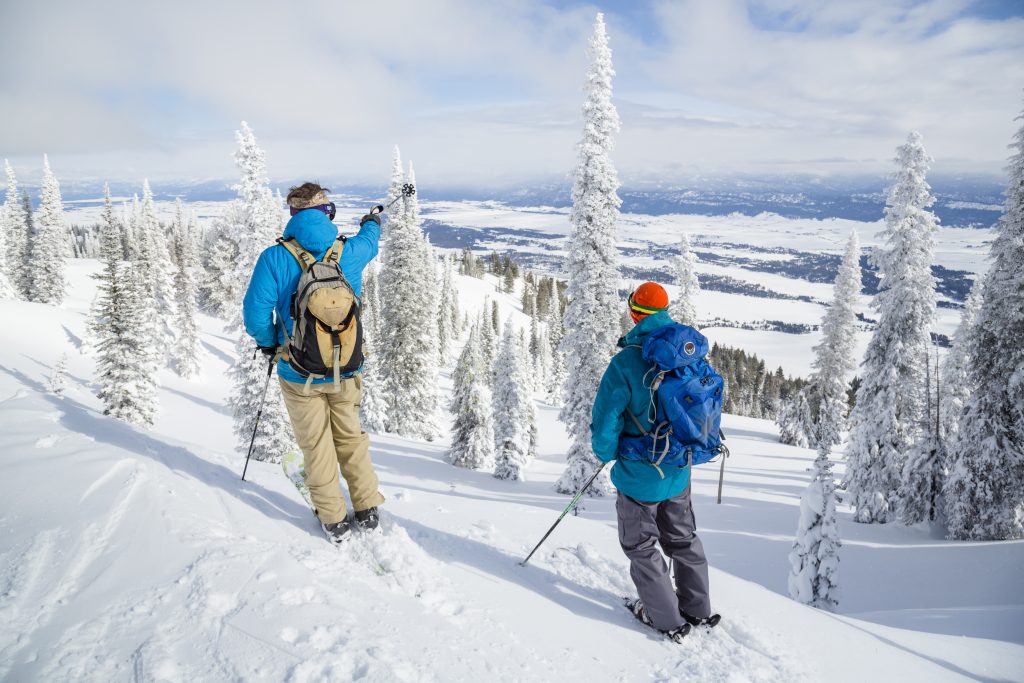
268	351
375	217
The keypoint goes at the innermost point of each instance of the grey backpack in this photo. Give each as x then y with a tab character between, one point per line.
327	334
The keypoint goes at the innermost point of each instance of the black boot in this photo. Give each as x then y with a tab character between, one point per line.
710	622
676	635
337	532
368	519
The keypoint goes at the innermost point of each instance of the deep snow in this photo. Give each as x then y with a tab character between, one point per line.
135	555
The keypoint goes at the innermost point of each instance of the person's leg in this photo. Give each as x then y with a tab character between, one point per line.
352	444
638	536
310	421
677	532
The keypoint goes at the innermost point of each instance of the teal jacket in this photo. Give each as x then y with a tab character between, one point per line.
623	387
276	275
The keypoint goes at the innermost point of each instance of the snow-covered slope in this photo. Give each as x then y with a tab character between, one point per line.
135	555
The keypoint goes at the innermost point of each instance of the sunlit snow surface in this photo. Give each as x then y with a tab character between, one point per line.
135	555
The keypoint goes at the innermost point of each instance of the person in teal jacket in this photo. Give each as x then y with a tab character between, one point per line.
653	505
325	418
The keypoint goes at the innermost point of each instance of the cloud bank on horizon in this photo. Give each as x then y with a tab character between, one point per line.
490	93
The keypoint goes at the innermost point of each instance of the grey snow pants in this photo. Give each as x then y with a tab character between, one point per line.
670	523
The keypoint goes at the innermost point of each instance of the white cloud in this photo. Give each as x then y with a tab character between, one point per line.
490	92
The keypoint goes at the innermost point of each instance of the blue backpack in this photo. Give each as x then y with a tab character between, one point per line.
686	402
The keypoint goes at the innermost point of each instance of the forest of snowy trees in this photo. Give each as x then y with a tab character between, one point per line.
924	441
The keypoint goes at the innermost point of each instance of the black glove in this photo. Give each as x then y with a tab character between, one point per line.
268	351
374	217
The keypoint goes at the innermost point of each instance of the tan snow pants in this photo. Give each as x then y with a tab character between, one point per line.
326	424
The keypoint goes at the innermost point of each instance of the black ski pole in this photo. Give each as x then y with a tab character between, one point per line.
570	506
266	385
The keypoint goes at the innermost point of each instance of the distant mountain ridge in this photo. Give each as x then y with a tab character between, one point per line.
972	201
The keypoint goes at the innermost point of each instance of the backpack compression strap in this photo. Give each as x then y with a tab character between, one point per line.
333	254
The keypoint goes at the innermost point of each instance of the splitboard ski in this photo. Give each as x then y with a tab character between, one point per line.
294	468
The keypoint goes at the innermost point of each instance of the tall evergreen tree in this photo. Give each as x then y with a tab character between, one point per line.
814	559
684	265
473	430
796	425
592	319
50	244
446	322
185	352
373	408
512	405
985	489
833	355
886	419
155	257
14	226
111	256
956	381
255	222
556	331
408	337
924	469
126	367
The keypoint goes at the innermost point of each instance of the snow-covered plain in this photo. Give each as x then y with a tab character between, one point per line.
541	231
140	555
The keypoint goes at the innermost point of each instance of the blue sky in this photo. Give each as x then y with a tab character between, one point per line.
489	92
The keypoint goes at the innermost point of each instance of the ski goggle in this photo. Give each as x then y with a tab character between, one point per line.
330	209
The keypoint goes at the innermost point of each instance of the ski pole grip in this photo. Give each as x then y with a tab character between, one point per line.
377	210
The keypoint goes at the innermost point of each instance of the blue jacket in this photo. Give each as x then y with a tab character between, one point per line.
276	276
622	386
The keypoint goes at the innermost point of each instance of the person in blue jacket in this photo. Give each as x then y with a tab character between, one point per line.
653	505
326	417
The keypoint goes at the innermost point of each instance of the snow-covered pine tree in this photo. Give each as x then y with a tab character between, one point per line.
126	367
796	425
472	444
155	256
956	382
833	355
7	290
886	420
373	407
255	222
58	379
814	559
985	489
14	226
684	266
526	366
408	340
111	256
488	341
555	332
511	410
186	351
592	319
446	325
923	472
50	245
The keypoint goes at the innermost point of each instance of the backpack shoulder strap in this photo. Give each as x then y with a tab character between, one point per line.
304	258
333	254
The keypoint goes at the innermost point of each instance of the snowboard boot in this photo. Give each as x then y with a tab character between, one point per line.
368	519
676	635
710	622
338	532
